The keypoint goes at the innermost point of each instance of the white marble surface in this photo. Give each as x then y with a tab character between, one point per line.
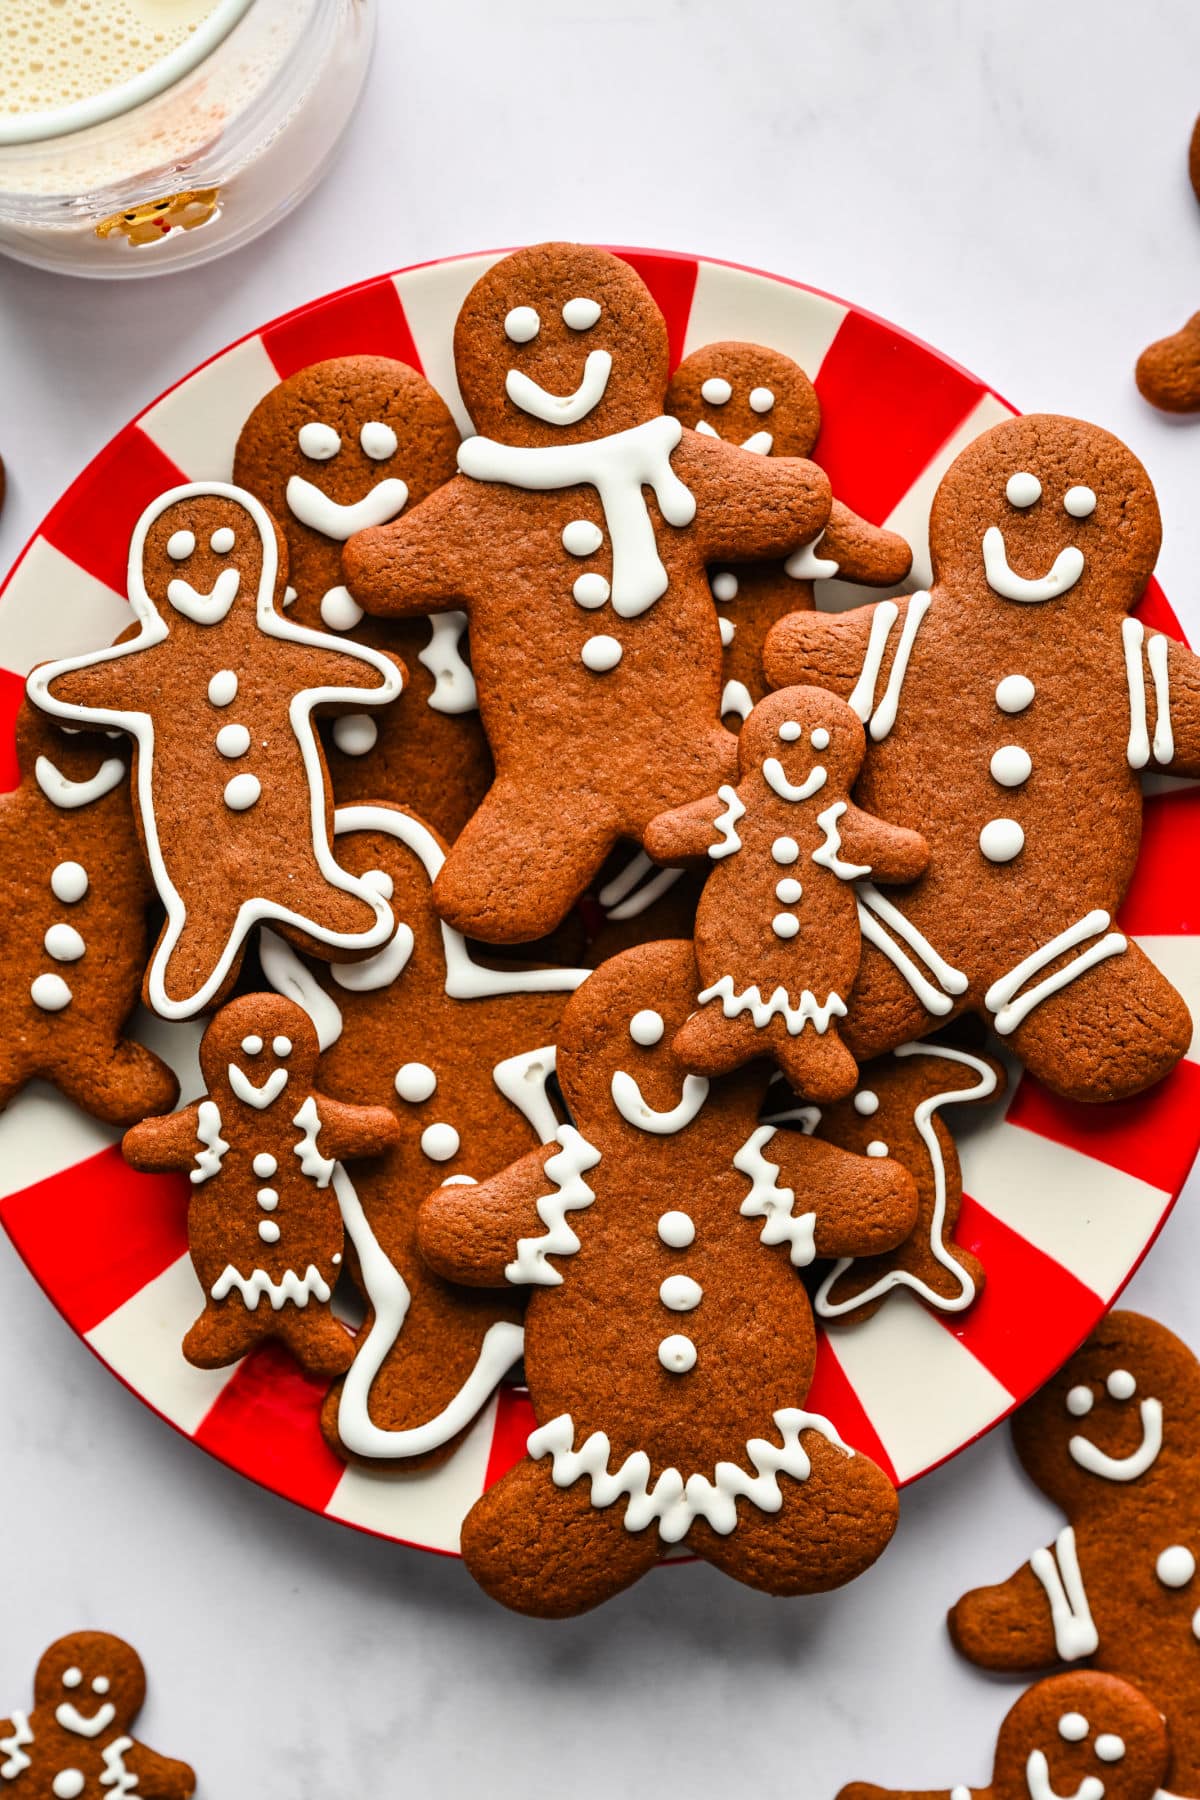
1008	182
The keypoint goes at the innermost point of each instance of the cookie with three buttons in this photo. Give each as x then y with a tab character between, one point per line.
76	1740
338	447
669	1340
262	1148
1010	716
1114	1441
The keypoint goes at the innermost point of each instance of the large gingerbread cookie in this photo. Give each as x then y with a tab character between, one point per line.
1114	1440
1010	714
576	537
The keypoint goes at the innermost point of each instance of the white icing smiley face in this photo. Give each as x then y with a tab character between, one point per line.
73	1718
204	606
522	326
716	391
264	1091
646	1030
319	442
1120	1387
1022	491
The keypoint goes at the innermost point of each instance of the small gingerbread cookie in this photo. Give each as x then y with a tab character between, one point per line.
88	1690
1168	371
1114	1440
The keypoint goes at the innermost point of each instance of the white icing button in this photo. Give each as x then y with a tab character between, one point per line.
521	325
601	653
1023	489
72	1677
1014	693
415	1081
68	1784
681	1293
676	1230
1080	502
877	1147
1109	1747
677	1354
1121	1385
591	590
440	1142
727	630
1011	765
378	440
789	731
282	1046
180	544
785	850
716	391
100	1685
69	882
761	400
379	881
318	442
222	540
1080	1402
268	1231
242	792
64	943
223	687
1176	1566
725	585
581	313
339	611
233	740
355	733
252	1045
1001	840
785	925
580	537
1073	1728
646	1027
264	1165
51	993
267	1198
866	1103
788	890
820	738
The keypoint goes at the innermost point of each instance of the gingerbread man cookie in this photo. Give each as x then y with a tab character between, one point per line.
1084	1736
669	1342
88	1690
73	932
264	1223
1010	714
777	939
335	448
1168	372
593	633
1114	1440
218	689
460	1054
764	401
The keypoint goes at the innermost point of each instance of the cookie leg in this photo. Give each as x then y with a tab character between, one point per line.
883	1010
320	1343
547	1551
223	1334
817	1064
829	1528
122	1084
208	929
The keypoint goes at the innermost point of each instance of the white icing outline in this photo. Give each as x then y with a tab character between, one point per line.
808	1011
1061	577
213	1146
380	970
826	854
1037	1780
636	1110
1009	1007
1123	1468
566	1169
874	912
777	781
313	507
66	794
522	1079
297	1289
772	1203
561	409
454	688
1075	1633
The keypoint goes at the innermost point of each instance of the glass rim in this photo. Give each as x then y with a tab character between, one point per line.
112	103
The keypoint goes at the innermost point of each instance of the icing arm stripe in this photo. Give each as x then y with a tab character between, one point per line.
571	1193
212	1145
646	895
625	880
1075	1633
1010	1007
726	823
826	854
1138	749
1157	652
522	1079
772	1203
317	1167
884	716
453	680
862	700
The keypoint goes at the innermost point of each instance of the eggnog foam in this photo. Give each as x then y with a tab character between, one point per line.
56	52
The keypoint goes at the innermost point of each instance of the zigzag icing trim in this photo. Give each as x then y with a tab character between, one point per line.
16	1760
726	823
772	1203
296	1288
312	1163
674	1502
826	855
571	1194
213	1145
809	1011
120	1779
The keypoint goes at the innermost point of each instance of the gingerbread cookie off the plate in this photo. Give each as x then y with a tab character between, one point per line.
1114	1440
73	927
1168	372
1085	1735
87	1692
218	688
764	401
576	538
335	448
777	939
460	1055
264	1223
1010	715
669	1341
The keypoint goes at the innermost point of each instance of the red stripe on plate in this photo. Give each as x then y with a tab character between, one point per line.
832	1396
1156	612
1164	895
514	1421
672	281
996	1329
266	1423
94	520
364	321
12	692
95	1234
1152	1136
887	406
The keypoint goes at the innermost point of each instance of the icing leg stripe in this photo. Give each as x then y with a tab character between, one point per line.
1133	638
266	1423
645	896
1010	1006
1075	1633
367	318
862	700
874	912
884	716
1151	1136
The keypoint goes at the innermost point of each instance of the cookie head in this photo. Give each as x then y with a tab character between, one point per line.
805	740
1047	511
199	551
748	395
559	344
614	1042
91	1682
259	1048
1087	1735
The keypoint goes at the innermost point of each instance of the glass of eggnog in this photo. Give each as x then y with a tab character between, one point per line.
143	135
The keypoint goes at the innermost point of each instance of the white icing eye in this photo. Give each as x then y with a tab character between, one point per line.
581	314
100	1685
522	325
318	442
252	1046
820	738
1109	1747
1080	1402
1121	1385
1023	489
1080	502
378	441
1176	1566
72	1677
646	1027
716	391
1073	1727
725	585
789	731
877	1147
222	540
180	544
866	1103
282	1046
761	400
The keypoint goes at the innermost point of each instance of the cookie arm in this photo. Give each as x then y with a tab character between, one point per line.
686	833
349	1131
1007	1627
1183	689
330	664
892	852
863	1204
110	684
862	551
168	1142
751	506
423	562
159	1777
472	1234
820	648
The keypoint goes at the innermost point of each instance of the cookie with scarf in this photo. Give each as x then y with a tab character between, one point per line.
669	1340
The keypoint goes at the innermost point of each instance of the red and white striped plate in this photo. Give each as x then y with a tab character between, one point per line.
1064	1200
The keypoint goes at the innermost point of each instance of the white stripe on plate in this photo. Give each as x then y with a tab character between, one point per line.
1178	958
431	298
141	1342
922	1390
52	607
197	423
731	303
42	1135
426	1507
